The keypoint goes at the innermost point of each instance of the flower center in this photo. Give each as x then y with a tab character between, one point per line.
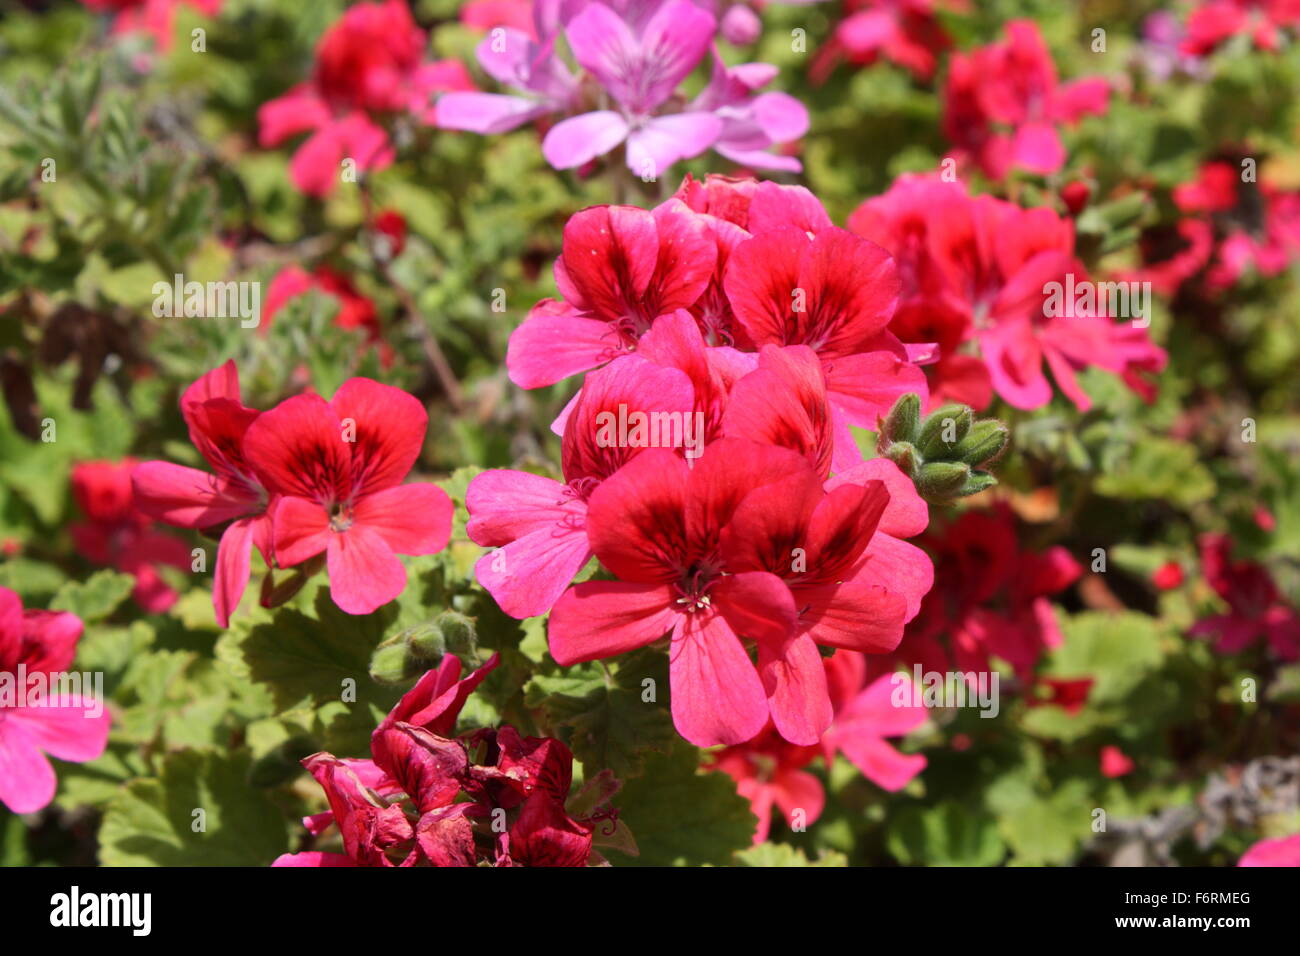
340	517
694	585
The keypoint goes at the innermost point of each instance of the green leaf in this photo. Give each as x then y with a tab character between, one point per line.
1044	829
95	598
608	723
1159	469
949	834
31	579
782	854
311	661
1116	650
682	816
153	822
13	840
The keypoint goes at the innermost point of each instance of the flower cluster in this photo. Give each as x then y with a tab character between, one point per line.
156	18
770	772
1214	22
115	532
307	478
1003	104
634	56
990	600
401	807
369	67
905	32
976	274
715	512
36	718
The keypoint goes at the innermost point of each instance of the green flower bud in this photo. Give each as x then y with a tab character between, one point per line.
1124	211
458	632
943	429
904	455
903	419
982	443
426	642
978	481
940	481
393	663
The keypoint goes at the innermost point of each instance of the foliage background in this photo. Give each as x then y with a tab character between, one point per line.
159	172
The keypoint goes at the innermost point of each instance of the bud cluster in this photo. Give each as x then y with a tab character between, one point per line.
942	453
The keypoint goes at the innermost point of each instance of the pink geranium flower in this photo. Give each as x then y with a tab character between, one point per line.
752	122
620	268
757	264
1255	608
705	555
154	17
486	14
1115	763
835	293
355	310
633	57
990	599
1214	22
1257	225
522	57
118	534
657	525
67	726
369	65
230	499
335	470
1283	851
905	32
975	276
1003	103
537	527
771	773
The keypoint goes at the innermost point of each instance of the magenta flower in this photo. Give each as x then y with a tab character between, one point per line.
401	807
70	727
873	714
620	268
770	771
640	72
976	271
1283	851
118	534
335	470
1214	22
756	264
634	56
537	526
231	495
512	57
751	124
835	293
